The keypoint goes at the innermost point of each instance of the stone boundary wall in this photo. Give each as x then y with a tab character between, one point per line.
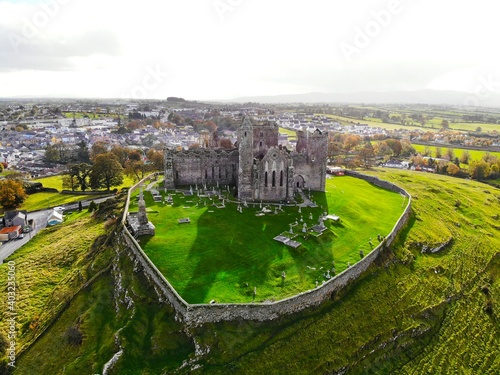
210	313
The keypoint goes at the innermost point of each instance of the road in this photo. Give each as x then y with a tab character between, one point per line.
40	220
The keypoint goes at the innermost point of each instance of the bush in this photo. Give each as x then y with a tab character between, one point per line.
92	206
74	336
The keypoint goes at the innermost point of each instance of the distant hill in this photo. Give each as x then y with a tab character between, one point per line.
407	97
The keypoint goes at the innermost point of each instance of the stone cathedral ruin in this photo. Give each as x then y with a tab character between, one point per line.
258	167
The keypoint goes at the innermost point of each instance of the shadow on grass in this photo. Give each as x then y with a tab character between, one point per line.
246	255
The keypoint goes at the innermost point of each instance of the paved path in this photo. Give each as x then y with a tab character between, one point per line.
307	202
40	220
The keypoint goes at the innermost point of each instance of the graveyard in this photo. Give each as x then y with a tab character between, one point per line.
214	249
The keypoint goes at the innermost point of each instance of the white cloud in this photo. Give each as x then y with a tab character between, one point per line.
104	48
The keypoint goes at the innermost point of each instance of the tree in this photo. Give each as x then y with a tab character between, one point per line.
452	169
81	173
70	182
439	153
465	157
449	154
98	148
122	154
445	124
156	159
226	143
135	165
12	193
479	169
82	153
58	153
366	154
407	148
106	171
395	146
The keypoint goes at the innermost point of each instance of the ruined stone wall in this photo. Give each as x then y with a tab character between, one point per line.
204	313
309	160
264	137
271	177
205	166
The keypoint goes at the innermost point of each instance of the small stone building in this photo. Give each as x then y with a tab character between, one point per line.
260	168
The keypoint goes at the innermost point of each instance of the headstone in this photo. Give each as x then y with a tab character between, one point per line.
321	222
283	275
316	283
328	274
304	228
311	216
291	229
300	209
254	291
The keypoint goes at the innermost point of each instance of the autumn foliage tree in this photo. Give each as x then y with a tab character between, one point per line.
12	193
106	172
155	158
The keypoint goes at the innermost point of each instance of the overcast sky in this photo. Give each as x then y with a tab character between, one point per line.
223	49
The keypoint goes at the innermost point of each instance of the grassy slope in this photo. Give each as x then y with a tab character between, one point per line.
50	269
422	314
419	314
39	201
221	251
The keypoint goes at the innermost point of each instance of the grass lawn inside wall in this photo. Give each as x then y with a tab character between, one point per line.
223	254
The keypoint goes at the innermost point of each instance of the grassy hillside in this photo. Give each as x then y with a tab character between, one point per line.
417	312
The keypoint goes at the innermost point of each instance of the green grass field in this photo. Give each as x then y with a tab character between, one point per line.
55	182
43	200
291	133
474	154
40	201
433	125
223	254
